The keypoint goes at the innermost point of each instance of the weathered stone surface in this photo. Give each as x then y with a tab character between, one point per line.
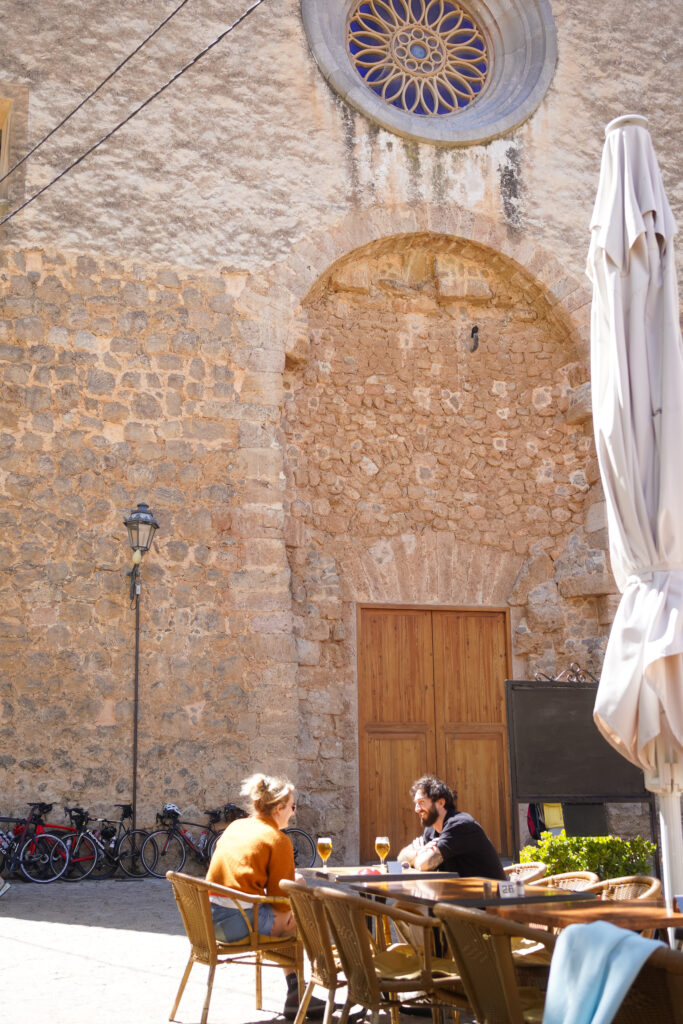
143	339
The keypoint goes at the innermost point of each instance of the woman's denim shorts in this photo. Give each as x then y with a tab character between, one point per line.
230	926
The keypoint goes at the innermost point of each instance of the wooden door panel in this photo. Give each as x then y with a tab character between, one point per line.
395	670
393	761
431	699
470	665
475	764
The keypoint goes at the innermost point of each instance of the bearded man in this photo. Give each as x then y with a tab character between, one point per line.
451	840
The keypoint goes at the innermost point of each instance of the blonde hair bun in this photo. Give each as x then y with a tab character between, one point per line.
266	792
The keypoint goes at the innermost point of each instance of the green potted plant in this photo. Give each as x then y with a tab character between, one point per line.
608	856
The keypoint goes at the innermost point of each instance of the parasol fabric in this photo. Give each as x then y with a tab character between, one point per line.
637	389
637	394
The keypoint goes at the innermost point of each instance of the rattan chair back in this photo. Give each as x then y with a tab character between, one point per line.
630	887
527	872
481	946
656	996
576	881
314	930
348	917
192	897
377	974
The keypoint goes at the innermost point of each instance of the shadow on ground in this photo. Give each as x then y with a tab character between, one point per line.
144	905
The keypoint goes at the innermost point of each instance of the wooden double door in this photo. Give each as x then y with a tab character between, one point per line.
431	700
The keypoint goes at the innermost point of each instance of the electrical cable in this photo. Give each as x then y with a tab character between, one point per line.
134	113
91	94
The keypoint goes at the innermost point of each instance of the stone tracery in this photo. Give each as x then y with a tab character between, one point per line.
427	57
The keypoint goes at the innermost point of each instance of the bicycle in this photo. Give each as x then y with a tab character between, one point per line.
40	857
166	848
99	852
169	846
305	851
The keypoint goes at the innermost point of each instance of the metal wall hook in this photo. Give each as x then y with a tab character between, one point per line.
475	339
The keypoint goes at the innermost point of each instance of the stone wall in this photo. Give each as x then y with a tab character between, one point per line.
148	303
118	387
422	472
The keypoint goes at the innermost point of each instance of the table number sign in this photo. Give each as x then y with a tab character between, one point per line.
510	890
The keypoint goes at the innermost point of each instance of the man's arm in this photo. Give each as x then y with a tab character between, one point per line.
428	858
408	853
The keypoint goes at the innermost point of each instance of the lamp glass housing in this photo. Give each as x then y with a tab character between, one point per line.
141	526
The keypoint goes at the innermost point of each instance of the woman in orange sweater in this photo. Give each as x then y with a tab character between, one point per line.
253	855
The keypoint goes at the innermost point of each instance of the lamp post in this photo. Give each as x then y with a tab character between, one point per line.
141	526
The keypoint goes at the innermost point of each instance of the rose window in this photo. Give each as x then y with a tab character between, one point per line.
424	57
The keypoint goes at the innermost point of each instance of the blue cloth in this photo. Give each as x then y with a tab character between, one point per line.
592	969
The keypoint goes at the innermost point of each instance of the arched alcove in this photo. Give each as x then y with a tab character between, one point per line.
423	465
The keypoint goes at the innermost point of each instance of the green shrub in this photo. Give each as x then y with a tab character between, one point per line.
608	856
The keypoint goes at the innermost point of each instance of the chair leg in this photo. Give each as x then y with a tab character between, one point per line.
395	1012
183	983
303	1005
346	1009
329	1009
209	986
259	985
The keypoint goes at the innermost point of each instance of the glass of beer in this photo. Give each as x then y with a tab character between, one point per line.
382	848
324	845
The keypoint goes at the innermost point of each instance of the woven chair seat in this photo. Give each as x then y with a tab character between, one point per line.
401	963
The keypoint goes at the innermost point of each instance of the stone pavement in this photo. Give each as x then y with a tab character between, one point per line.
113	952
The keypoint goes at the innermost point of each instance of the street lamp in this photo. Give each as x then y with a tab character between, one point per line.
141	526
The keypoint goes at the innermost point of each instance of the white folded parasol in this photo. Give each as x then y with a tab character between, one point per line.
637	388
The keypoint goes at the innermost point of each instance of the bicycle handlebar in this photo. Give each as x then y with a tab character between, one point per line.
77	815
42	808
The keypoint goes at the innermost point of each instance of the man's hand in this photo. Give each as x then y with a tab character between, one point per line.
428	857
408	853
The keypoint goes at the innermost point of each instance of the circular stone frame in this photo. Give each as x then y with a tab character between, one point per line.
522	49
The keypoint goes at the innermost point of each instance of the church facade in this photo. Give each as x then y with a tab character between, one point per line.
321	305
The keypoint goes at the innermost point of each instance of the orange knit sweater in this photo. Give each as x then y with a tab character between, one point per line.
252	855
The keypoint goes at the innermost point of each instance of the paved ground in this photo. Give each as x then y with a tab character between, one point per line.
113	952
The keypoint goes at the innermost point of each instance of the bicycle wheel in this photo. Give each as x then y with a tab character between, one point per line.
129	854
304	847
211	846
163	851
106	863
82	858
43	858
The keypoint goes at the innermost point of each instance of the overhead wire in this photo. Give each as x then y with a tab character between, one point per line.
202	53
94	92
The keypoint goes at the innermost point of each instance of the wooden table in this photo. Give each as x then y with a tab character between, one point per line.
638	915
428	889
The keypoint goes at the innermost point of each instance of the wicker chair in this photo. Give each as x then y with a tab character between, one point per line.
576	881
192	897
527	873
481	946
383	978
656	996
314	930
630	887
